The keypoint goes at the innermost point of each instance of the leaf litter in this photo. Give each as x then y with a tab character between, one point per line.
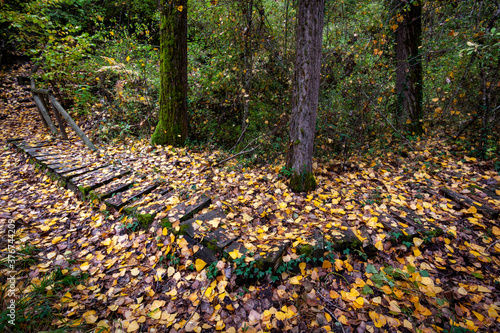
147	279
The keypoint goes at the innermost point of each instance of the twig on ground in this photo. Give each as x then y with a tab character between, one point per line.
492	244
197	307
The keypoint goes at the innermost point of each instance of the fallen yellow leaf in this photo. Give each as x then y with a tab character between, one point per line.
199	264
393	307
133	326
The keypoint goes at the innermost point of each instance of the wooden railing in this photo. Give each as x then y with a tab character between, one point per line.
43	98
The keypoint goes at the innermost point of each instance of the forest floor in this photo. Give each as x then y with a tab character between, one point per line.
73	256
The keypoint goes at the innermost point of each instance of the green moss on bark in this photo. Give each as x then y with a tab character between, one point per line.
172	128
303	182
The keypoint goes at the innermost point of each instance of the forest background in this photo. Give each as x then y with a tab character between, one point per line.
102	60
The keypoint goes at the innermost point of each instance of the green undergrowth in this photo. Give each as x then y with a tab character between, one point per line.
41	305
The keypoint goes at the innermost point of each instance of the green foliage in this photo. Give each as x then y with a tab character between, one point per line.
37	309
212	271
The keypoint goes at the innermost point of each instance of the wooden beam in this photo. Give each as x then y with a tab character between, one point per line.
39	112
44	113
41	91
62	127
71	123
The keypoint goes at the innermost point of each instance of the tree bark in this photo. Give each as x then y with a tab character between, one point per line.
310	19
409	65
172	128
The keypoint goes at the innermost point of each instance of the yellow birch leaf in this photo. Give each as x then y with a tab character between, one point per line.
155	314
417	241
359	302
417	253
199	264
393	307
483	289
56	239
496	231
379	246
342	319
85	266
462	291
326	264
478	315
234	254
66	298
133	326
135	271
492	312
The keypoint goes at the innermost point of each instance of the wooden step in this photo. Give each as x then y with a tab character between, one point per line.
73	170
467	202
123	198
203	252
116	186
186	210
192	226
422	225
12	140
147	208
87	182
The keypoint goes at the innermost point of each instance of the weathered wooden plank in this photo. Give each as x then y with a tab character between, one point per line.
86	183
82	171
467	202
186	210
192	226
123	198
219	239
70	169
203	253
148	207
272	258
116	186
71	123
45	115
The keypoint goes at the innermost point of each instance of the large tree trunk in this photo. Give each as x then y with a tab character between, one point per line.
306	92
409	65
172	128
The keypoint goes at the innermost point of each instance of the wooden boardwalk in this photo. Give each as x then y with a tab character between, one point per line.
145	201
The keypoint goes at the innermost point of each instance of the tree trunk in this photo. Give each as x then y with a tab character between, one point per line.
409	65
306	92
172	128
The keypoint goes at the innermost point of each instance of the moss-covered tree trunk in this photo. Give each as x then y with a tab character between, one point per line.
408	18
309	39
172	128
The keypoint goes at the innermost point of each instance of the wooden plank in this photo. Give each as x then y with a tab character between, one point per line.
203	253
97	178
146	208
191	226
467	202
81	171
186	210
45	115
44	122
73	168
116	186
62	127
71	123
123	198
